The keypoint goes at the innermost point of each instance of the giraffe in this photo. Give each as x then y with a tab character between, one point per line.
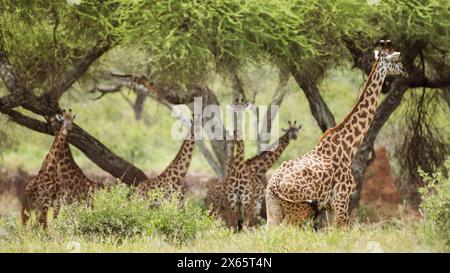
323	177
240	186
41	192
75	186
259	164
170	181
215	198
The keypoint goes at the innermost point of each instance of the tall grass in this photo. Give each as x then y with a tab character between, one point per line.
118	221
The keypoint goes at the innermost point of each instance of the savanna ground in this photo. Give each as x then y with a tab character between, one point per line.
383	221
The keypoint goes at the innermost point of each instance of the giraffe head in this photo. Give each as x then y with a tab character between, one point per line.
389	59
65	120
239	107
292	130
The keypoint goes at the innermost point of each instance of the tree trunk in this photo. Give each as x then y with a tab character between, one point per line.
365	153
317	104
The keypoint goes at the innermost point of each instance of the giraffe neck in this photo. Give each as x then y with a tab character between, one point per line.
240	153
182	160
266	159
348	135
53	157
67	163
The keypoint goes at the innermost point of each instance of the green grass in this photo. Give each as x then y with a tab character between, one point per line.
386	237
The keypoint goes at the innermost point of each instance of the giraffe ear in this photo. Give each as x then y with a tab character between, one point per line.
377	53
74	116
59	117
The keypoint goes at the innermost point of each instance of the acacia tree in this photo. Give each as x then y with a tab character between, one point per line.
420	31
44	49
187	41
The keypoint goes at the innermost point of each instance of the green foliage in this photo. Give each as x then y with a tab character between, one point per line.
406	20
117	212
180	224
45	38
186	39
436	202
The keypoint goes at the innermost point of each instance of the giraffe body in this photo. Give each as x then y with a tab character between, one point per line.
324	175
171	180
240	189
43	191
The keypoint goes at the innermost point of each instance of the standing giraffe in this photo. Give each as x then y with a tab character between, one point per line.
240	186
75	186
260	164
42	191
324	176
171	179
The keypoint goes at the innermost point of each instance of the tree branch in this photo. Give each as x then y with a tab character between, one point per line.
277	99
78	70
89	145
317	104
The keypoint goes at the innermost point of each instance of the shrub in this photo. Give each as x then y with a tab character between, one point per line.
180	224
111	212
436	203
117	212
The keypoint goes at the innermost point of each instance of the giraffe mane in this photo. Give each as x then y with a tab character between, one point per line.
340	125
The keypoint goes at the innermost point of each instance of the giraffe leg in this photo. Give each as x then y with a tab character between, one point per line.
249	213
341	199
25	212
340	209
232	219
232	213
56	209
43	217
274	209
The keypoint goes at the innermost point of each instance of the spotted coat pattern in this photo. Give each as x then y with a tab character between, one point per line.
171	180
324	174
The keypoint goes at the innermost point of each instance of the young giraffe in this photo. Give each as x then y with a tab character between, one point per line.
171	179
75	186
324	175
42	191
260	164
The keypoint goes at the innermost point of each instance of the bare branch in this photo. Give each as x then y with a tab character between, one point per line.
104	90
209	157
78	70
89	145
26	121
277	99
238	85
